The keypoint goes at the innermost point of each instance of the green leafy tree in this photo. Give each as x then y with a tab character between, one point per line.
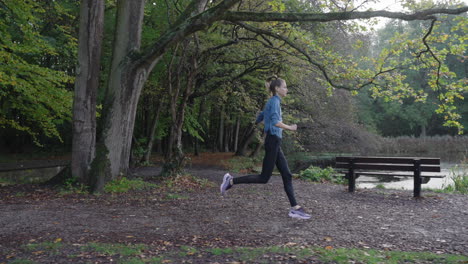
37	59
435	82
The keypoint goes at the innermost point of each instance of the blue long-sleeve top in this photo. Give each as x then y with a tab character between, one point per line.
271	115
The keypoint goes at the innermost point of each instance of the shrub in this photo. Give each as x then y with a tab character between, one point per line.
317	174
124	185
460	179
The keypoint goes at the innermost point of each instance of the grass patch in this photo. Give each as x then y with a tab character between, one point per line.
261	254
175	196
22	261
221	251
123	185
187	251
330	255
345	256
141	253
116	249
155	260
380	186
52	248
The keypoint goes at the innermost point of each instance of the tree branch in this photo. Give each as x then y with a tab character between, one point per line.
427	14
439	63
312	61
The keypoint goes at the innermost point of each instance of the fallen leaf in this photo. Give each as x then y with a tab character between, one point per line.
329	239
328	247
58	240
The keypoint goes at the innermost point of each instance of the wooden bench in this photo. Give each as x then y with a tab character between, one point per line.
388	166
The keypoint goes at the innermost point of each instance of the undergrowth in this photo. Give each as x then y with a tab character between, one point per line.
123	184
317	174
459	176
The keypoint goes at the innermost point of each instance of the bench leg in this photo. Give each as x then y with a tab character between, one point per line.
417	179
351	181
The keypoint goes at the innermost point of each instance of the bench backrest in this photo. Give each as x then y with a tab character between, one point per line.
389	163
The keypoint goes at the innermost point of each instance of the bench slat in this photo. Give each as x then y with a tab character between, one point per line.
397	174
392	160
387	167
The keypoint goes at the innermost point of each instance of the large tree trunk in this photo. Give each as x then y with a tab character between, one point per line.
125	84
86	85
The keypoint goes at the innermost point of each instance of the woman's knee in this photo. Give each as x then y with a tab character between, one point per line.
263	179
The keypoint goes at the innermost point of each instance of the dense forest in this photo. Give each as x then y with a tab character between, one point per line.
200	72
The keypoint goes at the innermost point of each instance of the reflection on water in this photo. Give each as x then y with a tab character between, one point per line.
451	165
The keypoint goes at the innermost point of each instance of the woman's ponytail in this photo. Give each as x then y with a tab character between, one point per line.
273	82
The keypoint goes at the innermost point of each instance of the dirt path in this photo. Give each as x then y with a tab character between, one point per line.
251	215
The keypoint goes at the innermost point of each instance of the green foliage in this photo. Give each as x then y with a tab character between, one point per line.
317	174
192	126
139	149
419	82
72	185
460	179
37	52
123	184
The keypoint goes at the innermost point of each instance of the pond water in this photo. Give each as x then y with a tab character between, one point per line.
448	169
452	164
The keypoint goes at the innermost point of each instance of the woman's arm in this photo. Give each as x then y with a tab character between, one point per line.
259	118
284	126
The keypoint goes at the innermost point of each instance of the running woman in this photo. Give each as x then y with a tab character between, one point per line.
274	126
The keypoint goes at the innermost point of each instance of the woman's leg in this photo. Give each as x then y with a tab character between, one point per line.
271	149
282	165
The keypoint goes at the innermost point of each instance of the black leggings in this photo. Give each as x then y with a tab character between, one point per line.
273	155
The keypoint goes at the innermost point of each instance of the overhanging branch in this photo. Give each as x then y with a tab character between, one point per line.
320	66
235	16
